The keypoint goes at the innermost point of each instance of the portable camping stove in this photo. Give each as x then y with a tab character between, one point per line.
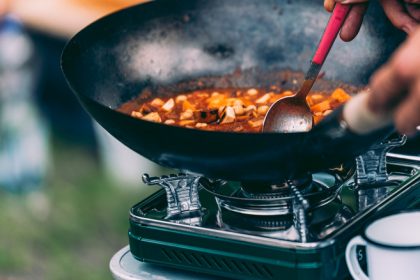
298	230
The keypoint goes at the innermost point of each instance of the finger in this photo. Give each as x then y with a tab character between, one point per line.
399	17
406	59
353	22
390	84
407	116
351	1
412	1
329	5
387	90
4	7
414	11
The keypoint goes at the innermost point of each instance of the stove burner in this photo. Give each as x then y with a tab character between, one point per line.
233	221
264	191
275	211
322	187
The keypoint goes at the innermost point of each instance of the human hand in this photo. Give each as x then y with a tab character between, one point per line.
404	14
4	6
396	86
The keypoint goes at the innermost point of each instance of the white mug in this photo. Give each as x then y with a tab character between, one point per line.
392	249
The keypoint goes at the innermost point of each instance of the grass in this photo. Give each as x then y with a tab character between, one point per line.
71	228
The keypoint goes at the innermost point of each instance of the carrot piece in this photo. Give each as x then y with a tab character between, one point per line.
340	95
186	105
323	106
315	99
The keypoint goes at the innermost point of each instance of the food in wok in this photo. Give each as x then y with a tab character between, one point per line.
236	110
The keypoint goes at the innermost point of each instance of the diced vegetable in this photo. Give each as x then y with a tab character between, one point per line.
238	110
157	102
228	116
153	117
263	99
321	107
169	105
340	95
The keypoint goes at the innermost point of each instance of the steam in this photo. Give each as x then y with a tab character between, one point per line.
275	34
164	61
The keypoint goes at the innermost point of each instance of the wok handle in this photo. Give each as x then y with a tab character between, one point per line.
331	31
360	119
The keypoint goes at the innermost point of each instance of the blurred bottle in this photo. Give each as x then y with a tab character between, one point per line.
121	164
23	134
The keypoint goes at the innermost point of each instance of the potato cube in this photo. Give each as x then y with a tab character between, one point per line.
157	102
170	122
262	110
228	116
252	92
256	123
263	99
180	98
201	125
153	117
169	105
187	115
136	114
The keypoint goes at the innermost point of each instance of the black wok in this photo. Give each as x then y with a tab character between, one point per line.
163	47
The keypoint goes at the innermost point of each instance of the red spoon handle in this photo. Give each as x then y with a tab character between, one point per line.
331	31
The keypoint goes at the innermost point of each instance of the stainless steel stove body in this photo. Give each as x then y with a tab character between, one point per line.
299	232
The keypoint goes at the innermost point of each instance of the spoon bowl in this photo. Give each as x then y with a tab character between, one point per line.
289	115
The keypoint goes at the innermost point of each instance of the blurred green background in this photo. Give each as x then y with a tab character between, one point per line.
71	228
65	185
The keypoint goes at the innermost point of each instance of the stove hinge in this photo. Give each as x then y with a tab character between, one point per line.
371	172
300	206
181	194
371	167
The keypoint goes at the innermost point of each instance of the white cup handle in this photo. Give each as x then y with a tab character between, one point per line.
351	258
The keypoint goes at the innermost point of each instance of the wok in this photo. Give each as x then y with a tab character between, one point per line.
166	47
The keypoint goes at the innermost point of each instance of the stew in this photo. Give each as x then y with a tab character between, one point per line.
237	110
